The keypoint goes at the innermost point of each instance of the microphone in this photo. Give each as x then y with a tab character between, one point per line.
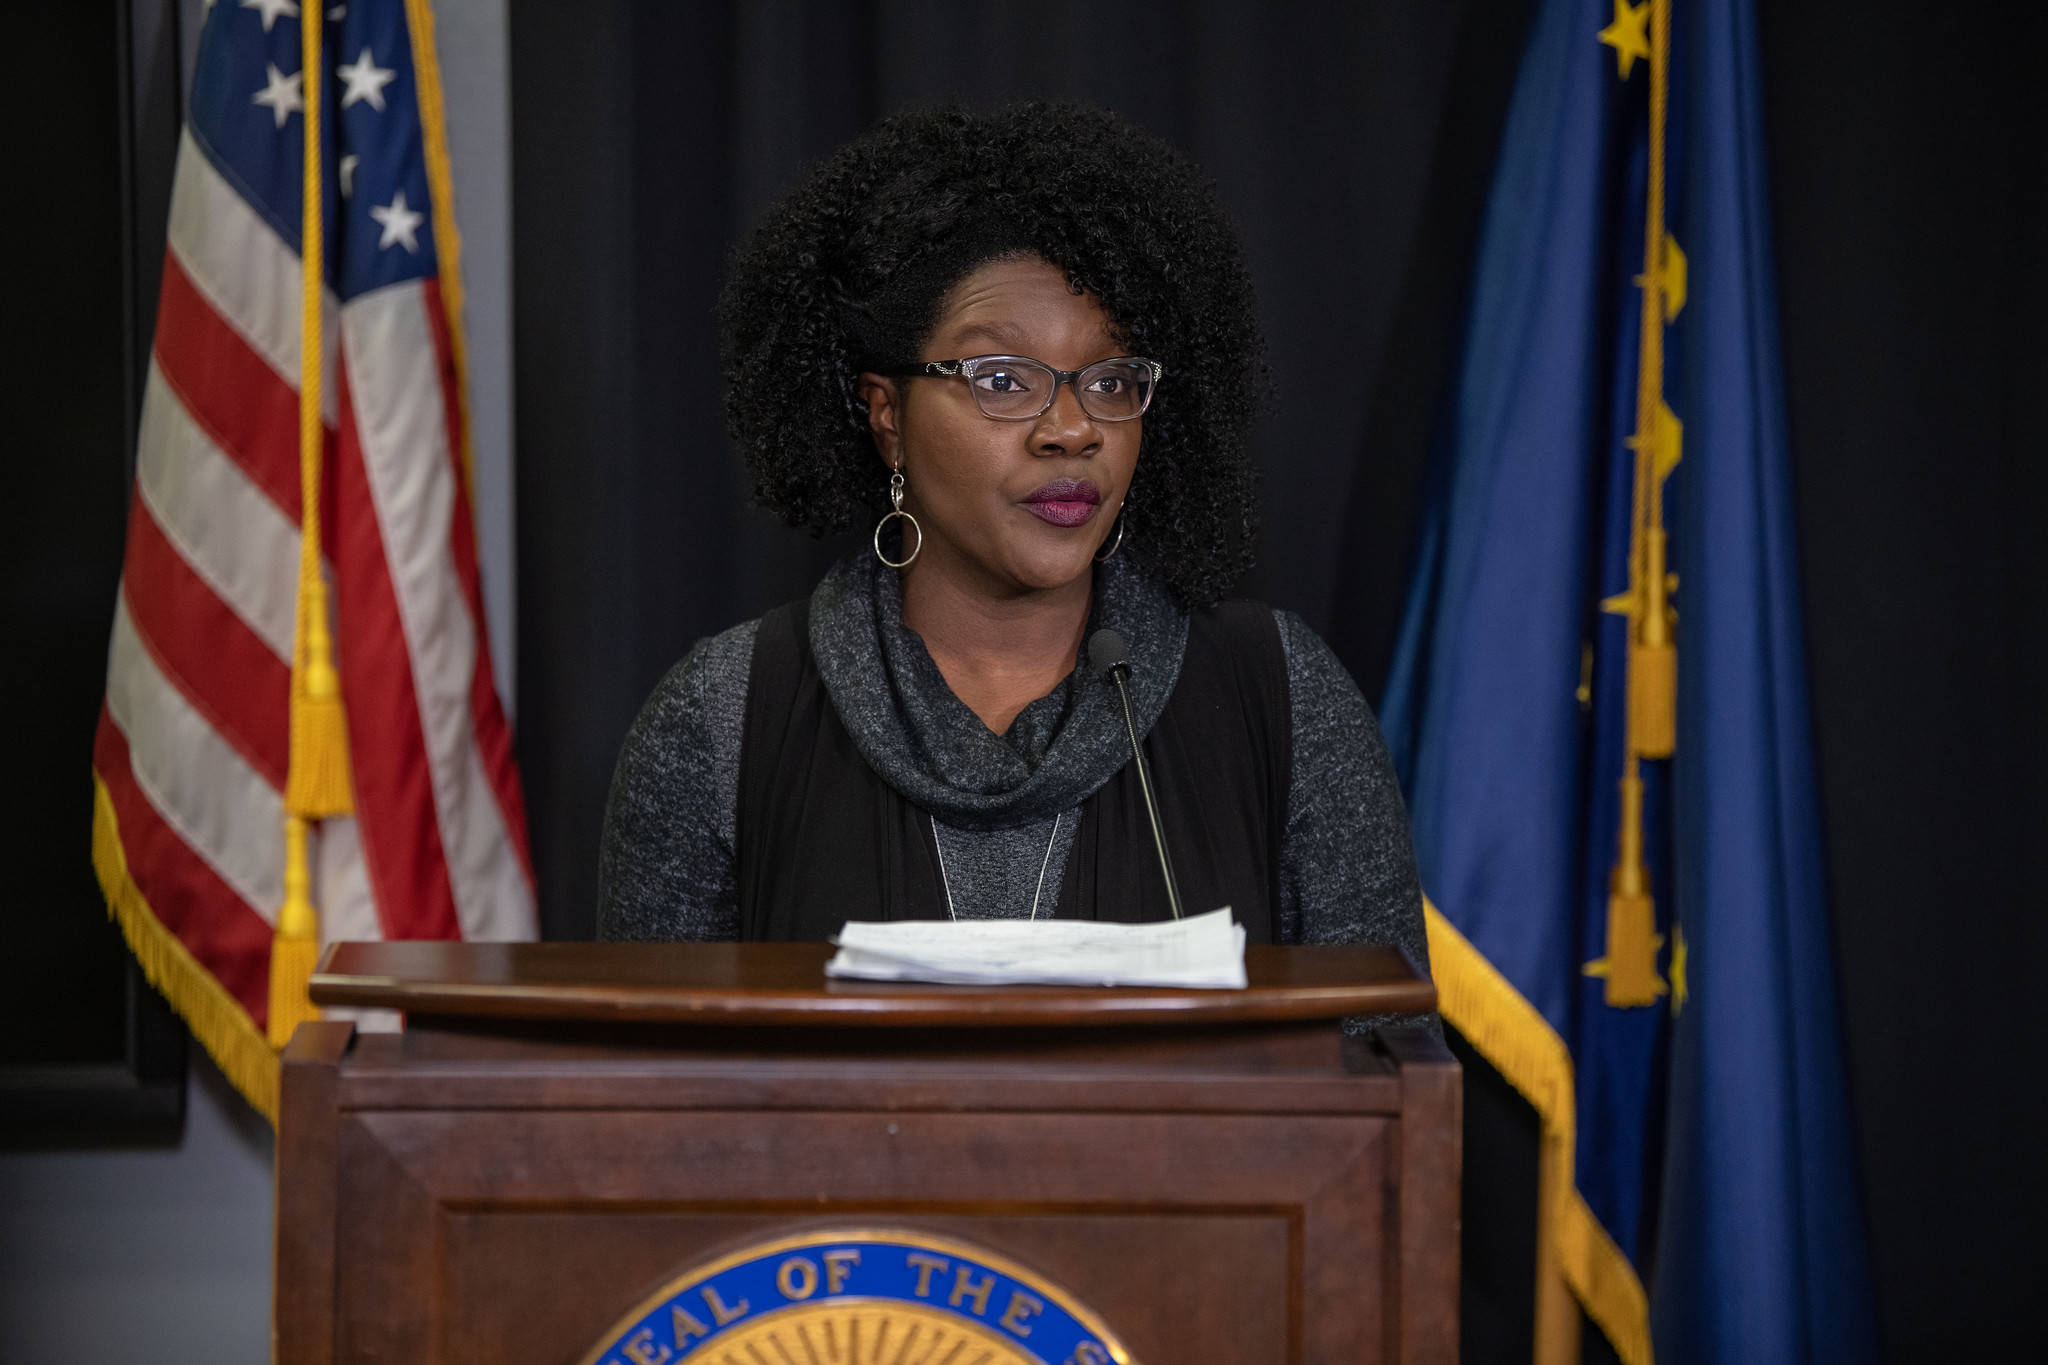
1109	656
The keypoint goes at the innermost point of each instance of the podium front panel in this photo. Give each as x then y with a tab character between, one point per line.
509	1193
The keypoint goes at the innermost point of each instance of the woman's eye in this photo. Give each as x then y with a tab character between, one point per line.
1002	381
1109	383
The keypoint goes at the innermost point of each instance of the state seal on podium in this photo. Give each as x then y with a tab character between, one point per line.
859	1296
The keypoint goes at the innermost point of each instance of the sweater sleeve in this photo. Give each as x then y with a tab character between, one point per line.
666	865
1347	864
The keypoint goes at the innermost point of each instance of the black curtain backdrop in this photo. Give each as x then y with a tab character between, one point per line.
1910	167
1353	143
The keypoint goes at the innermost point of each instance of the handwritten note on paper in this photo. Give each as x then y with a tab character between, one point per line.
1202	951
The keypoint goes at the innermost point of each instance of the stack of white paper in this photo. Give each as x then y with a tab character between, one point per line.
1205	951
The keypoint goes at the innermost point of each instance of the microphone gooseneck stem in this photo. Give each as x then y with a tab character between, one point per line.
1116	676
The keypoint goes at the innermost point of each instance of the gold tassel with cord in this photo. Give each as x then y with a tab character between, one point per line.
1630	965
319	782
1653	660
295	947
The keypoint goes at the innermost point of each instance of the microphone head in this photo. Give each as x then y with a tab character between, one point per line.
1107	652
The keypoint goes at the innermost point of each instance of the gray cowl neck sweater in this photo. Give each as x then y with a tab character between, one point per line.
926	743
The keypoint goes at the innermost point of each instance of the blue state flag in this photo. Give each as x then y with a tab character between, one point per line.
1598	705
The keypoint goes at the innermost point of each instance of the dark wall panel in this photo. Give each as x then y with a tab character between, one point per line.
87	1051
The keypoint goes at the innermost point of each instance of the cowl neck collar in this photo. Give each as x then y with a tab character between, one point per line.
926	743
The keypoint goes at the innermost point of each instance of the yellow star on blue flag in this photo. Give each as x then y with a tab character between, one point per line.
1628	35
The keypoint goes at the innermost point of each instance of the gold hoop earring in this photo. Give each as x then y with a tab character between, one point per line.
895	511
1104	556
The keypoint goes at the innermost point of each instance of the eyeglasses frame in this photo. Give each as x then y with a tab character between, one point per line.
965	367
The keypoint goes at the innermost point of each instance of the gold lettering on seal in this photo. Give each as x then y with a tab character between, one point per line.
685	1324
641	1348
962	1290
925	1266
720	1314
838	1265
797	1278
1089	1354
1022	1306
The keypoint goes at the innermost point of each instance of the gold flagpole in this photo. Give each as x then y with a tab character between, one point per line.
1630	963
318	783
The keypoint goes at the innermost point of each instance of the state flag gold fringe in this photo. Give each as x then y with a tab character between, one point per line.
1517	1041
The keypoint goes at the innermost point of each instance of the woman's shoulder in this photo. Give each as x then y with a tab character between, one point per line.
1334	729
1313	671
1311	663
700	704
665	866
714	664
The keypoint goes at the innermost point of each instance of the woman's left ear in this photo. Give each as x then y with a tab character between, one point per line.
884	416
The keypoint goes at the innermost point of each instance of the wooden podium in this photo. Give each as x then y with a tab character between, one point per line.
564	1129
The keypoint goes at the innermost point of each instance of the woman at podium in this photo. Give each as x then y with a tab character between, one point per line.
1022	346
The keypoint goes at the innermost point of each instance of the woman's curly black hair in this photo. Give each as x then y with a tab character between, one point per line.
848	273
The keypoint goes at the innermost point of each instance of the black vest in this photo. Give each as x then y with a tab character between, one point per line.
823	839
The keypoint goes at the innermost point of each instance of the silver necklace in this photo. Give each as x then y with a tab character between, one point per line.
947	883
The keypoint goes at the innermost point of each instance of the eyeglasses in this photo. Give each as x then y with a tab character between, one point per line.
1015	388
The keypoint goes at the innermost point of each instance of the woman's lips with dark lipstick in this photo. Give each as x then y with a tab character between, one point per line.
1064	502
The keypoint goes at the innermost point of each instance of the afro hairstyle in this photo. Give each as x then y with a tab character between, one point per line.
849	273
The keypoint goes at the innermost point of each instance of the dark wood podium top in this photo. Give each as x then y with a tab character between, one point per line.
784	985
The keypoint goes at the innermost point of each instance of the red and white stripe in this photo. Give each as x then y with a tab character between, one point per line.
193	743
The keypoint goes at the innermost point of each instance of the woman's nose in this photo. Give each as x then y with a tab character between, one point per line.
1065	426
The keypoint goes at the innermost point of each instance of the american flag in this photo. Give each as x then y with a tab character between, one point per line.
193	744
